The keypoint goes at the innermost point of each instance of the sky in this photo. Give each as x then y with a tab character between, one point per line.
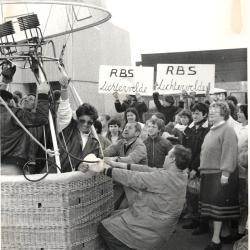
180	25
161	26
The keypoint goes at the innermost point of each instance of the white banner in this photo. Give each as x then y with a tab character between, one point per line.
126	79
174	78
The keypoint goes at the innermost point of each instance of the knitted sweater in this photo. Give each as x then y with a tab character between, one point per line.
219	150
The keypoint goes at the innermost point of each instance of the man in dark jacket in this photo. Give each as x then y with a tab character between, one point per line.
14	140
194	136
131	102
157	146
167	108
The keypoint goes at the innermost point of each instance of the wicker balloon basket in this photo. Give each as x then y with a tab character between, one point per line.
62	211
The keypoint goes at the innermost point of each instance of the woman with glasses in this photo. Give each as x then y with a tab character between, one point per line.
219	175
75	133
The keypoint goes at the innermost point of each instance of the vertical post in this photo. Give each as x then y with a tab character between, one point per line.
54	141
52	128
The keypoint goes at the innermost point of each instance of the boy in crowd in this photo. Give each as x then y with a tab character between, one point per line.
167	107
157	146
104	119
114	131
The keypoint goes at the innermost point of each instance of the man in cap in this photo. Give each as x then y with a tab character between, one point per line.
167	107
132	101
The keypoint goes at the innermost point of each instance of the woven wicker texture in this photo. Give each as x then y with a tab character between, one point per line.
60	212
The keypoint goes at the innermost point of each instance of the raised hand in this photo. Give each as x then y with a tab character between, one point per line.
64	82
139	97
115	95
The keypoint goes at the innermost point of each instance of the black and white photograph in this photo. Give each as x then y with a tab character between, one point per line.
124	124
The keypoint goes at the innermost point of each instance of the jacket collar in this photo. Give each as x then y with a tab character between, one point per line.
204	124
127	143
218	125
157	138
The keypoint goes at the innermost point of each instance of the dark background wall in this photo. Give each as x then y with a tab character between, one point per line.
230	64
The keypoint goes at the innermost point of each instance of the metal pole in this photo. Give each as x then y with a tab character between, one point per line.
54	141
52	129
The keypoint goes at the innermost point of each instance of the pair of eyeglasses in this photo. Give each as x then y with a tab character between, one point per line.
212	110
82	121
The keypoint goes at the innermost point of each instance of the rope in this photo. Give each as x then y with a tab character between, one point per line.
66	148
45	145
26	165
71	26
47	151
47	19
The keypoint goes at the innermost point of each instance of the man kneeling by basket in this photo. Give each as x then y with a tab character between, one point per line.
149	222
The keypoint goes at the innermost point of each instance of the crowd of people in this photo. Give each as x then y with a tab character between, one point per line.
184	160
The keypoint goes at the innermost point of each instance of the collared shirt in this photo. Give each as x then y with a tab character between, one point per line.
84	138
180	127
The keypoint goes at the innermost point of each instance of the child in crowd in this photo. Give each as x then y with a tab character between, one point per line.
114	131
103	140
157	146
185	119
104	119
174	131
131	115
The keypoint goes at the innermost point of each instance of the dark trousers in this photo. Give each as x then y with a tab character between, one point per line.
193	208
111	243
243	201
193	205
